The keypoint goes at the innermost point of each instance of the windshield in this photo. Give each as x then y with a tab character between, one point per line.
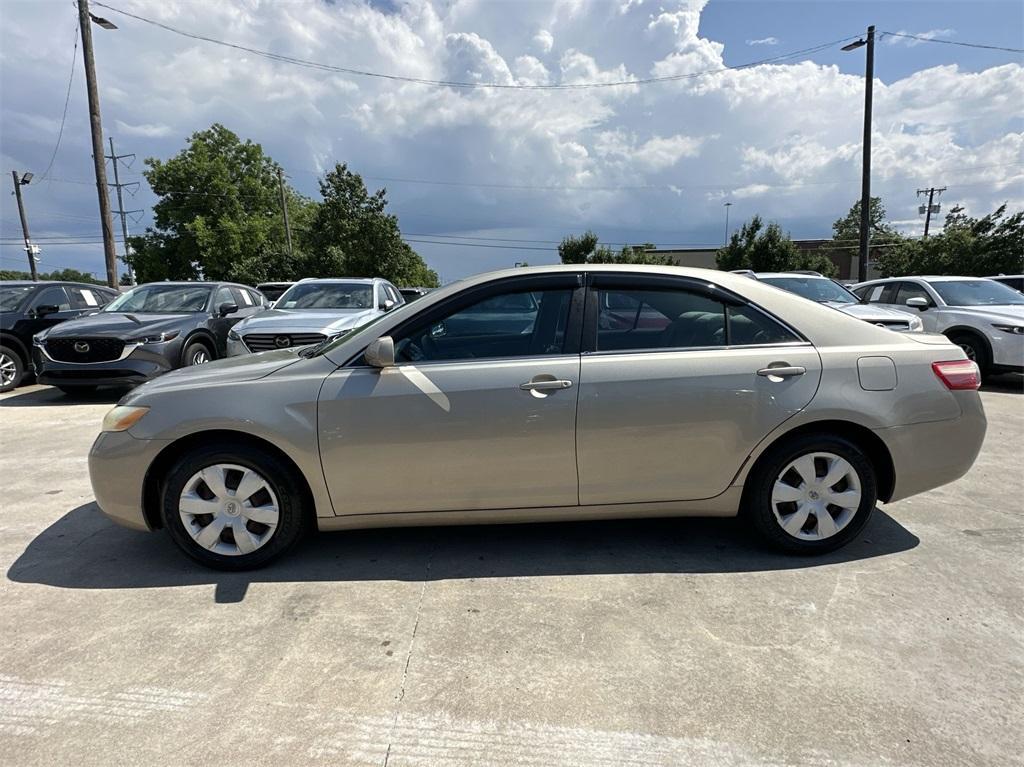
154	299
976	293
327	295
814	288
11	296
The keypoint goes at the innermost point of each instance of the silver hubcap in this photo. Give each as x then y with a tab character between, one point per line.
7	370
200	357
229	509
969	351
816	496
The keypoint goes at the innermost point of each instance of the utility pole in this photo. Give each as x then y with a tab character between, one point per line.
114	159
85	24
931	192
284	212
19	181
865	182
727	206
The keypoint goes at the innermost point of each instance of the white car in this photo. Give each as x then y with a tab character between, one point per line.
817	287
983	317
313	310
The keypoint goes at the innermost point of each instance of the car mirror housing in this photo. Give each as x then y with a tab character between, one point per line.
381	353
225	309
917	302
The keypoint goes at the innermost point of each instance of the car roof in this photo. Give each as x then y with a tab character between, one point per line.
359	280
803	275
42	283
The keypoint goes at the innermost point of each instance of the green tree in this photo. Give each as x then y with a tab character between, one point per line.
968	246
846	231
219	214
64	275
584	249
768	249
351	233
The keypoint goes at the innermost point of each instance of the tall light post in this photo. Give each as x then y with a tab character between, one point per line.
865	181
20	180
85	21
727	206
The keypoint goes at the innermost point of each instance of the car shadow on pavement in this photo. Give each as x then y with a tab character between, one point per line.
50	396
84	550
1011	383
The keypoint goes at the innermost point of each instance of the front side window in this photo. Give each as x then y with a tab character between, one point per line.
327	295
630	320
157	299
908	290
885	293
521	324
54	296
977	293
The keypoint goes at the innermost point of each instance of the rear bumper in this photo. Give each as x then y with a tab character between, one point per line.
117	469
929	455
133	370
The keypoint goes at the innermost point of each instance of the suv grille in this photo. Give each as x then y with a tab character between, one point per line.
261	342
85	349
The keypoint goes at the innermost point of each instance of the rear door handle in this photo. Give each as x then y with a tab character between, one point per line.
545	385
783	371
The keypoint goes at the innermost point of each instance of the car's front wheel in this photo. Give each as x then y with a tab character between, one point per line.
812	494
196	353
974	348
12	369
233	507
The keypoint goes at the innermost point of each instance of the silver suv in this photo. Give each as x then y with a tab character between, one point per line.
313	310
983	317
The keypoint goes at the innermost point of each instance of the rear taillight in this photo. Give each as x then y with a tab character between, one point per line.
958	374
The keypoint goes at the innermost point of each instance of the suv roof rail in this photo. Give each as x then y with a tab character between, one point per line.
810	272
744	272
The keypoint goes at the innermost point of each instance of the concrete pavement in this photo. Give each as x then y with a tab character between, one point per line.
637	643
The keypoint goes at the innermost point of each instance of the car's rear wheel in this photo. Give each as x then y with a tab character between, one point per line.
233	508
974	348
12	369
812	494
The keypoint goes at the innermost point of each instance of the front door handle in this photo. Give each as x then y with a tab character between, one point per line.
548	385
783	371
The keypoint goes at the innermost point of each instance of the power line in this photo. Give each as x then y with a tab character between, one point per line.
947	42
67	100
463	84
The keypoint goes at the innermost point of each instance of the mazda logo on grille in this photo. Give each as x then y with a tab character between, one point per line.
81	347
282	342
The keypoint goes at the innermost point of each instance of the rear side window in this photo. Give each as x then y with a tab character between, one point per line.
880	294
629	320
86	298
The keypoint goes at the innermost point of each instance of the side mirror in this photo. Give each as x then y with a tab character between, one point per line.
43	309
381	353
272	304
917	302
225	309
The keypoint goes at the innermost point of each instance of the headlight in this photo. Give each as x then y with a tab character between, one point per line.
40	337
233	335
123	417
159	338
916	325
1017	330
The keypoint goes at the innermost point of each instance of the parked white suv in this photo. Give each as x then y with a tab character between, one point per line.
983	317
312	310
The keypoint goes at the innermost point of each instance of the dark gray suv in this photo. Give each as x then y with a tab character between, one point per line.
145	332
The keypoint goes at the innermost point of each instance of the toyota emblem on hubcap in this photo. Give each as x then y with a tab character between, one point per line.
81	347
282	341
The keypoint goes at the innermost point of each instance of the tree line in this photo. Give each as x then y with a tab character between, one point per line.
219	217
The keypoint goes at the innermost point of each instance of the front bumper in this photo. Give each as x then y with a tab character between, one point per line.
139	366
1007	349
117	469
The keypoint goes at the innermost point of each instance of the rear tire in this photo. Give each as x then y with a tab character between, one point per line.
812	494
12	369
975	349
220	529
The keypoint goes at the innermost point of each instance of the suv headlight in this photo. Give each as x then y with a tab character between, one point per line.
40	337
1017	330
158	338
123	417
916	325
233	335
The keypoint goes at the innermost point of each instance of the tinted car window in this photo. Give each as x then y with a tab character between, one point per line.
53	296
157	298
87	298
508	325
678	319
908	290
12	296
884	293
327	295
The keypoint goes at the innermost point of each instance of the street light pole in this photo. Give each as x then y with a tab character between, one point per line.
727	206
85	24
865	181
29	250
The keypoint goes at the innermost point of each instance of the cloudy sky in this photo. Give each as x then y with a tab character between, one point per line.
484	177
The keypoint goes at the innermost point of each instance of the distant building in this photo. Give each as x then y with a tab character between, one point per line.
704	258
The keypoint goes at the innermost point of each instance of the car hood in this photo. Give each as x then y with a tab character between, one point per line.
993	313
223	371
120	325
869	313
286	320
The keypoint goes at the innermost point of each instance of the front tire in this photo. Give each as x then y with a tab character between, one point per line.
12	369
196	353
975	350
233	507
812	494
